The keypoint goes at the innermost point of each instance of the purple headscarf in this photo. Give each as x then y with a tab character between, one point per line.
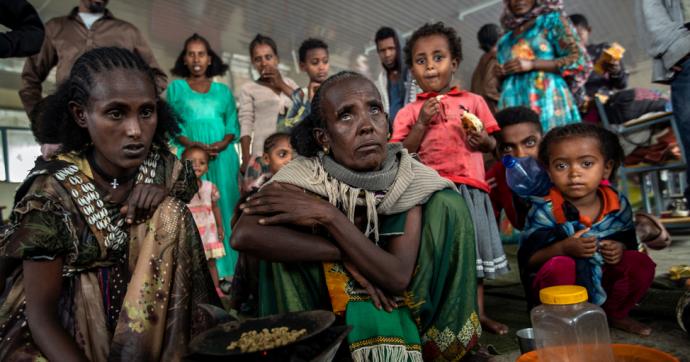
510	21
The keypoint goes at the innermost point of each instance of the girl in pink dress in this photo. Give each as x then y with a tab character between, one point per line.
204	208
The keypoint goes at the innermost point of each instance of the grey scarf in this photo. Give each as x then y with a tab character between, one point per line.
406	183
370	181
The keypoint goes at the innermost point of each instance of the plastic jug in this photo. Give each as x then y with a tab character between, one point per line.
526	177
568	329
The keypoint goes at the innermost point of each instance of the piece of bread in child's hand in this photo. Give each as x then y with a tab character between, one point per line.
471	123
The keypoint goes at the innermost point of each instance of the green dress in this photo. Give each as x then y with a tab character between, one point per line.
208	117
437	317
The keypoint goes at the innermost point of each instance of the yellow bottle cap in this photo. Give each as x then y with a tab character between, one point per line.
563	294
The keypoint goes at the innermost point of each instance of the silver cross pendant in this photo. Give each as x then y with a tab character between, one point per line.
114	184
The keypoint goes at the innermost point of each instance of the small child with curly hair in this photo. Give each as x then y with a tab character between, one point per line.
582	232
449	129
245	290
204	207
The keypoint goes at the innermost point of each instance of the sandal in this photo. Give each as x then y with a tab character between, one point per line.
678	272
683	312
225	286
651	232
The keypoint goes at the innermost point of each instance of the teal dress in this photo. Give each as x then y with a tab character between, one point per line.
208	117
549	94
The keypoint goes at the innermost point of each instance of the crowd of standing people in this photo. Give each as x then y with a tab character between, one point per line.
369	198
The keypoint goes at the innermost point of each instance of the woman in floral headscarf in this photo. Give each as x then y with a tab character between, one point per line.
543	66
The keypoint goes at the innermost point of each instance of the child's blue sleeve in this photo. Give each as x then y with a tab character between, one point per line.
541	230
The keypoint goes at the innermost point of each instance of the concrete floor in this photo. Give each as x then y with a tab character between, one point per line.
505	302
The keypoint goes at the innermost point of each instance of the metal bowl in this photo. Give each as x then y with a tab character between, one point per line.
214	342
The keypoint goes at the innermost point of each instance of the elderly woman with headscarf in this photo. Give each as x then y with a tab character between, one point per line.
357	226
543	65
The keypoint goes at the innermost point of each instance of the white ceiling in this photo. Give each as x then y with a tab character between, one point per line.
347	26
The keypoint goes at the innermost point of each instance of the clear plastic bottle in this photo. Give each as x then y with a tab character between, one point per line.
568	329
526	177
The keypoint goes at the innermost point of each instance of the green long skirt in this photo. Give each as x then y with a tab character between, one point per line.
438	319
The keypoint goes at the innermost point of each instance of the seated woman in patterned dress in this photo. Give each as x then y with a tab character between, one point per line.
103	260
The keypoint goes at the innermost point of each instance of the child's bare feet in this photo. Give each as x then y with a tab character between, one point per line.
486	322
631	326
492	326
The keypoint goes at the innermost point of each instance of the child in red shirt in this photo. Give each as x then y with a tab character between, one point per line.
432	127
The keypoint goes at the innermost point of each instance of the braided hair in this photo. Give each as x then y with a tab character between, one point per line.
53	122
302	135
609	145
272	140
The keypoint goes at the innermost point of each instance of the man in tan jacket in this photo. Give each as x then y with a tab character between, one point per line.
88	26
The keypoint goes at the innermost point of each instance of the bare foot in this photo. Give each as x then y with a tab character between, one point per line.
631	326
493	326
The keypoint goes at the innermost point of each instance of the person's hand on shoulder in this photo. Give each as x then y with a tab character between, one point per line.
142	202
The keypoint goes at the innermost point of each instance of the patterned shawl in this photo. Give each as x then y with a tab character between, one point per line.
438	312
129	292
410	184
547	223
400	185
